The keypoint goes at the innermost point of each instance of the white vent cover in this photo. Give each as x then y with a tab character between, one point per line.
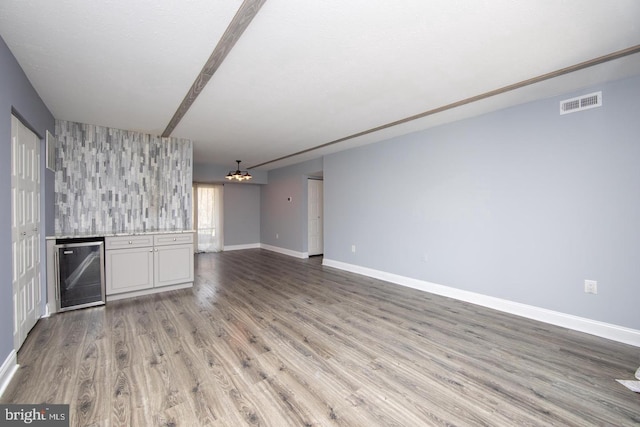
581	103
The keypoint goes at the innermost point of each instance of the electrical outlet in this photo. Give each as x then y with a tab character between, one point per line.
277	236
353	248
590	286
425	257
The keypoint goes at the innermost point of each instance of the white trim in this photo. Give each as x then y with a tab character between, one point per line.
8	370
241	247
51	308
284	251
50	151
132	294
581	324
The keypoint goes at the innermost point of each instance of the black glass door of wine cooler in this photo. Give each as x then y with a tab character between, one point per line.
79	275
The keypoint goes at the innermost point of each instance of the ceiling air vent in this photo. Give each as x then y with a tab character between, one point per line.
581	103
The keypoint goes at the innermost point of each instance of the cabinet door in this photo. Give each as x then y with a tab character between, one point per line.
129	270
173	265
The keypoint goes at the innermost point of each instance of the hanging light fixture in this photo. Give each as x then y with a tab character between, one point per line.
238	175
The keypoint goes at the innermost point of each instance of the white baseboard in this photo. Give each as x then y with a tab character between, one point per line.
7	370
241	247
151	291
284	251
581	324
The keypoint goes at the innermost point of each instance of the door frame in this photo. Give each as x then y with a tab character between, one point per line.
309	227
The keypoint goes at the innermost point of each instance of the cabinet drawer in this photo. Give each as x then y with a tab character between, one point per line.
124	242
172	239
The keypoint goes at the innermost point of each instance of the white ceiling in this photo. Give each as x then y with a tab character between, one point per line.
306	73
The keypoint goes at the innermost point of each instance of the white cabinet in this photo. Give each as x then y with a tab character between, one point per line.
173	264
138	265
128	269
173	259
128	263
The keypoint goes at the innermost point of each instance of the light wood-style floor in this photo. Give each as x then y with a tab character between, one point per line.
266	339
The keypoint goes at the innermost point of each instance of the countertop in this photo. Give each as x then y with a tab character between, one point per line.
114	234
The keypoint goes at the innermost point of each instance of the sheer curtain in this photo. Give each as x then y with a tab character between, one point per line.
207	217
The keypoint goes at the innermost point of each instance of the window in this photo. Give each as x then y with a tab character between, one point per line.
207	217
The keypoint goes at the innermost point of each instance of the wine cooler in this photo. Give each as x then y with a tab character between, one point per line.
79	275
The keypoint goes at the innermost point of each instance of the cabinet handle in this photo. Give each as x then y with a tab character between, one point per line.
150	250
130	242
174	239
156	250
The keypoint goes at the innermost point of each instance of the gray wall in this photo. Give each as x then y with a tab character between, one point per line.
521	204
241	214
17	93
279	216
241	203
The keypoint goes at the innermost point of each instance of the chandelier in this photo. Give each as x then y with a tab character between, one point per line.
238	175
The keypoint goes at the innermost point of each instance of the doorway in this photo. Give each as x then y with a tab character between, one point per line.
315	225
25	229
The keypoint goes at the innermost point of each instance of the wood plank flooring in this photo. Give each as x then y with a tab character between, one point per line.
268	340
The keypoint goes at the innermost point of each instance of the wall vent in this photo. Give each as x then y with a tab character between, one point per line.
581	103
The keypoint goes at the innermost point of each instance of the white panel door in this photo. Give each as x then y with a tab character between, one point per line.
315	240
25	237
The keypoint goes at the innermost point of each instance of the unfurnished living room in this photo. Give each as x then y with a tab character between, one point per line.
354	213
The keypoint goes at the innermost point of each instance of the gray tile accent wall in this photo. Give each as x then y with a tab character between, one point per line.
112	180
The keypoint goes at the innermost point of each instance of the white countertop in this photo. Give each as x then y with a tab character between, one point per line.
114	234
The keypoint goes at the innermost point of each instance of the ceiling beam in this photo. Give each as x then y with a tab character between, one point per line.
557	73
243	17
